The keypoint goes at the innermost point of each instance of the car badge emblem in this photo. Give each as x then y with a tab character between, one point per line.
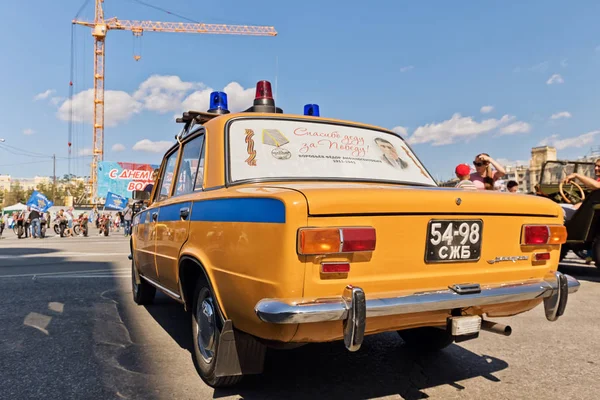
509	258
458	201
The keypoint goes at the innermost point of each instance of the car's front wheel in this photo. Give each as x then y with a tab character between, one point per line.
206	331
143	292
427	338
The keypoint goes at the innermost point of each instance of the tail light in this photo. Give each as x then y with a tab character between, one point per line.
312	241
541	256
543	234
335	268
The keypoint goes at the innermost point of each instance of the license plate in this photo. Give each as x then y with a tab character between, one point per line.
467	325
453	241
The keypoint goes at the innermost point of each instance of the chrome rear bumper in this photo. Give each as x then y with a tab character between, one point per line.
353	307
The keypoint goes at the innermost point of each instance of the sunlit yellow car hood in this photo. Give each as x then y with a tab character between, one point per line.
357	198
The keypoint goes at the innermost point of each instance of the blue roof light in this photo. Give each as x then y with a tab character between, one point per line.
218	103
311	109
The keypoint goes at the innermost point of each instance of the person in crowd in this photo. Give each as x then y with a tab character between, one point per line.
34	221
2	223
127	217
590	183
512	186
26	222
463	172
484	176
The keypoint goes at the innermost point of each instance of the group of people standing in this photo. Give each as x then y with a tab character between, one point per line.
29	222
32	223
484	177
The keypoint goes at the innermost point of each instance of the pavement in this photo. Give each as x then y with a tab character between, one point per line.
69	330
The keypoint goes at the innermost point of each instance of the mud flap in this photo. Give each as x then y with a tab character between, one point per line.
238	353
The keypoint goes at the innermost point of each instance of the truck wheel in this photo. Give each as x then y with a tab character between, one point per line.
206	330
427	338
143	292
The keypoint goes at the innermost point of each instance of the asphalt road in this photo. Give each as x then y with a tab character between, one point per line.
70	330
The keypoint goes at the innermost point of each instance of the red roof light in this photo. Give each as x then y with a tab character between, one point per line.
263	90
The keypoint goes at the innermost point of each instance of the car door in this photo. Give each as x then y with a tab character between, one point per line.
148	230
172	226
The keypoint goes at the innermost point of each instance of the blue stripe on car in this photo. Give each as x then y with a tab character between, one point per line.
260	210
171	212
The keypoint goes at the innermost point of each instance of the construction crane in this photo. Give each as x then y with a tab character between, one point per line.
100	28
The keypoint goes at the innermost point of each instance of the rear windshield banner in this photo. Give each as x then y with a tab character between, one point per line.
273	148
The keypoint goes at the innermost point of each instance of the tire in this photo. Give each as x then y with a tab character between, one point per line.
564	250
427	339
596	251
143	292
56	229
206	335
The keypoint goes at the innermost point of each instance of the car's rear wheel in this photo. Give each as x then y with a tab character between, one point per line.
143	292
206	330
427	338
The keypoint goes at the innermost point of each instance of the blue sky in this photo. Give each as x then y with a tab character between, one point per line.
426	68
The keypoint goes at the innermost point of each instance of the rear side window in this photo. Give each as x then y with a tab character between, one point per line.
167	178
189	166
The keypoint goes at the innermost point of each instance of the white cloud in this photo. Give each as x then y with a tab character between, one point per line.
119	106
407	68
55	101
541	67
486	109
238	98
516	127
158	94
562	114
455	129
555	79
164	93
44	95
85	152
149	146
28	131
117	147
400	130
577	141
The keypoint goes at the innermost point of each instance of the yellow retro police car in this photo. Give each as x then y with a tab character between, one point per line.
275	229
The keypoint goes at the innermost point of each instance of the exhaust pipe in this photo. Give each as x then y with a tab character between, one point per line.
495	327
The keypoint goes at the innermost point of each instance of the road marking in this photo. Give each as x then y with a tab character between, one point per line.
63	254
128	276
66	273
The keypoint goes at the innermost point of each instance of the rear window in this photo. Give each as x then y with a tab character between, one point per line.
294	149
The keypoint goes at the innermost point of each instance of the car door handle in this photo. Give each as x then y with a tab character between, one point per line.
154	216
184	212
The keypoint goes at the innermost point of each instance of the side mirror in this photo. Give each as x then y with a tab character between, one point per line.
140	195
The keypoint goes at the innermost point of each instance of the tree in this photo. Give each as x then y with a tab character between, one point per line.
16	194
